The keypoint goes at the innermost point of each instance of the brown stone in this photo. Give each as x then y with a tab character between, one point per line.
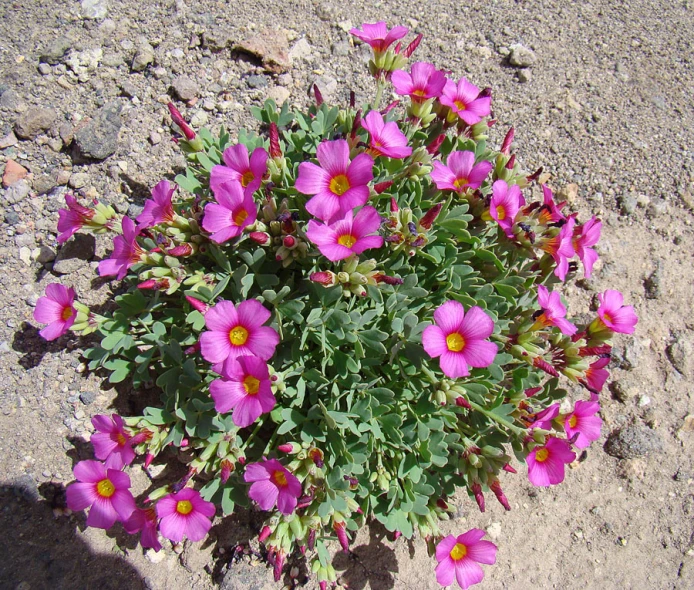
271	47
13	173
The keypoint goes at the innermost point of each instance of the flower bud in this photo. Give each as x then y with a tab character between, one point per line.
264	534
341	532
479	496
508	140
326	278
381	187
428	220
227	467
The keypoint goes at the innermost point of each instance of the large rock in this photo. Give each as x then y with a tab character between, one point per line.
633	441
33	121
55	50
99	138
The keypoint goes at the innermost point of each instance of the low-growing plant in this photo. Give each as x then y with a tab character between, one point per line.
350	317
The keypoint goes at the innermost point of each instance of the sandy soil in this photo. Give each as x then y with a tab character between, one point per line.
607	108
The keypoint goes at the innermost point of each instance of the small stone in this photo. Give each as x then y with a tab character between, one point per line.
494	530
524	75
688	423
569	193
279	94
681	355
155	138
112	60
45	255
31	299
79	180
11	217
87	397
628	204
128	89
185	88
644	401
300	50
13	172
143	57
652	283
94	9
99	138
521	56
271	47
25	255
17	192
154	556
257	81
44	69
55	50
8	140
199	119
620	392
327	86
33	121
74	253
627	357
159	73
25	486
4	347
633	441
63	177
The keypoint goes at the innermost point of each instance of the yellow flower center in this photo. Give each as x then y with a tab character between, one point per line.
419	92
460	182
573	421
339	185
458	552
105	488
279	478
67	313
184	507
120	439
542	455
240	216
246	178
606	317
455	342
251	385
238	336
460	105
500	213
347	240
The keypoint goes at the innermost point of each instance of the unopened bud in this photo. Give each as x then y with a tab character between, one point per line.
289	241
499	493
181	250
434	146
511	162
326	278
542	364
341	532
384	278
259	237
381	187
461	402
390	107
508	468
428	220
409	50
264	534
225	472
319	96
197	304
508	140
180	122
275	149
479	496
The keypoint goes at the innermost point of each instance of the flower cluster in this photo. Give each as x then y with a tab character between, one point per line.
352	317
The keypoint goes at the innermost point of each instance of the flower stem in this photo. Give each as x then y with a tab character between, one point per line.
498	419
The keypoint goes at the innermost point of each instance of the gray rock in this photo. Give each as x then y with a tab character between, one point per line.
619	391
652	283
55	50
627	357
17	192
185	88
633	441
524	75
9	99
681	355
342	48
33	121
45	69
45	255
79	180
327	86
25	487
11	217
94	9
99	138
521	56
112	60
143	57
244	576
74	254
87	397
257	81
628	204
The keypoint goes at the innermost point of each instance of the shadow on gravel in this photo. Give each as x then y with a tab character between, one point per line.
27	341
40	551
374	563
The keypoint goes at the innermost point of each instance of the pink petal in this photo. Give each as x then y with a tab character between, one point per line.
461	163
264	493
479	353
252	313
215	346
102	514
61	294
80	496
324	205
247	411
222	317
265	397
442	176
123	503
444	548
103	444
54	330
226	394
470	537
335	252
445	572
89	471
333	157
434	341
262	342
402	81
477	325
367	243
449	316
468	573
203	506
366	221
197	526
312	179
166	506
173	526
48	311
479	173
220	175
236	157
453	364
286	502
467	91
354	197
483	552
258	162
360	171
256	472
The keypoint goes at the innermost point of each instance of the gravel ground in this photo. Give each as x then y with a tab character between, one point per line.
601	97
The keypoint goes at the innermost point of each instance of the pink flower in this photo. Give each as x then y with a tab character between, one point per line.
55	309
337	184
424	82
347	236
246	389
560	248
272	484
111	443
585	422
158	209
546	464
378	36
249	172
617	317
596	375
235	331
126	252
185	513
386	138
235	211
550	212
543	419
462	98
553	311
72	219
584	237
460	339
459	557
105	490
145	521
505	204
460	174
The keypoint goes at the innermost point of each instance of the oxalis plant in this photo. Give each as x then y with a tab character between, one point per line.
351	317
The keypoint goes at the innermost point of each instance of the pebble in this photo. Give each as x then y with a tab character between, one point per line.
681	355
628	204
79	180
199	119
74	253
633	441
44	69
155	138
652	284
143	57
63	177
524	75
185	88
521	56
300	50
44	255
112	60
279	94
33	121
94	9
11	217
99	138
55	50
17	192
8	140
25	255
13	172
257	81
31	299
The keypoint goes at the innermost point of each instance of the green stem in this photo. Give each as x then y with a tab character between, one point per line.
498	419
252	435
380	86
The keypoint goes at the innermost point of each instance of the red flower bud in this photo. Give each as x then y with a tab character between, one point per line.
434	146
535	175
542	364
319	96
149	457
227	469
148	284
289	241
285	448
461	402
441	503
264	534
498	492
341	532
311	541
511	162
325	278
383	278
479	496
181	250
381	187
180	122
390	107
428	220
412	46
508	140
275	149
197	304
357	124
279	565
508	468
396	535
532	391
259	237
